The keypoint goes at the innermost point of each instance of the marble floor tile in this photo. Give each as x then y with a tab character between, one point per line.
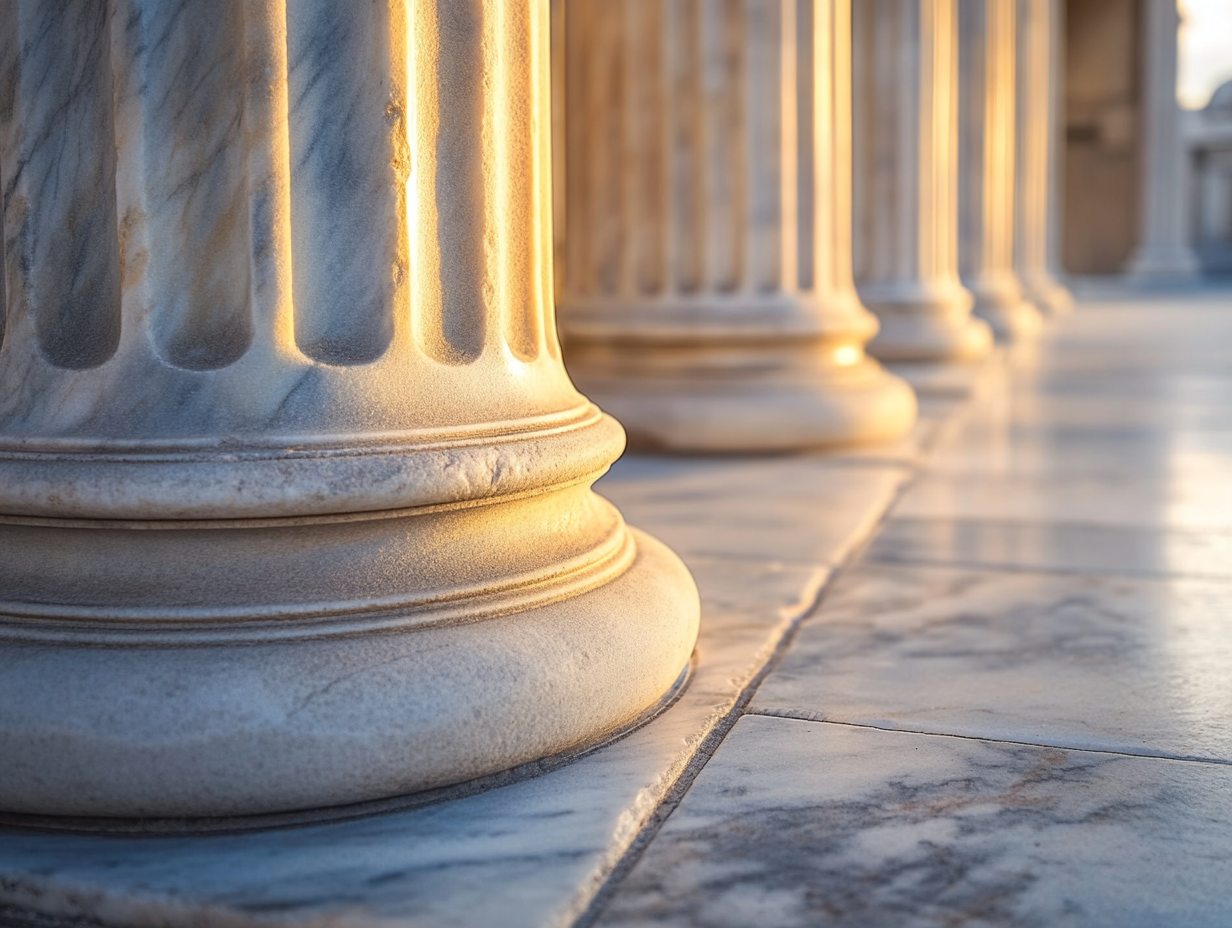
1081	412
806	824
1108	498
1102	662
1053	546
804	508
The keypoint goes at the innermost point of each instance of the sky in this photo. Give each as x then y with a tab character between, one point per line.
1206	49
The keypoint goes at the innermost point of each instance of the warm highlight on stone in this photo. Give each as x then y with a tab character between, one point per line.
906	183
708	299
1036	243
295	491
986	166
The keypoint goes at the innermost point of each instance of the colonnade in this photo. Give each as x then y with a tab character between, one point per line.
295	491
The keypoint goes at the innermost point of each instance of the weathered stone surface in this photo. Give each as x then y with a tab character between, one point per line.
294	488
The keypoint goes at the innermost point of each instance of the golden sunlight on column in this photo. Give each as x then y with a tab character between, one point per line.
987	78
708	300
295	495
906	185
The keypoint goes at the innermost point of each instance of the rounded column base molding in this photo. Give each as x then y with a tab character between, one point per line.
296	513
1164	264
927	328
281	476
1049	295
1007	311
260	724
746	401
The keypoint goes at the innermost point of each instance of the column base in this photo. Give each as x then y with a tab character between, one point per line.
1162	266
951	380
188	719
1011	320
928	333
756	411
1049	296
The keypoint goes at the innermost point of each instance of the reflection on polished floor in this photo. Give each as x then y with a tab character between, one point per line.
1011	707
1015	707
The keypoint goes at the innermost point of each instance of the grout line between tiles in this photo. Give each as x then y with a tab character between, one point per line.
588	905
1141	755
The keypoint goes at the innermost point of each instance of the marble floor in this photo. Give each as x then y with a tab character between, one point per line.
1016	707
980	677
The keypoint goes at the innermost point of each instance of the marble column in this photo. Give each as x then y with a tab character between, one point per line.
987	38
708	295
295	502
1163	253
906	188
1037	209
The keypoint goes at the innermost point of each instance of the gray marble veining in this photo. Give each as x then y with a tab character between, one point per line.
1085	661
801	824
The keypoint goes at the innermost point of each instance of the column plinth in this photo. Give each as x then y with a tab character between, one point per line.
906	185
987	190
708	301
294	490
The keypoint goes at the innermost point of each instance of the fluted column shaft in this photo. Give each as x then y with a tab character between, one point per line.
987	77
1163	252
283	415
906	182
1037	207
708	299
221	241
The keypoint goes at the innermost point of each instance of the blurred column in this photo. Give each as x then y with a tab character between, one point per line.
987	36
708	295
294	490
1163	252
1037	211
906	184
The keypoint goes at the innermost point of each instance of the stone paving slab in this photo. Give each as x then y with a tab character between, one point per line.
797	823
1062	547
1104	662
1014	710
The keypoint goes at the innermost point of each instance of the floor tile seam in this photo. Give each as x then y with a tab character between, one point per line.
1138	755
1020	569
605	881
